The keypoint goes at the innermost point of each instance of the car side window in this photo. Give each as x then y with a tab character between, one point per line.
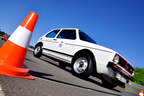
52	34
67	34
85	37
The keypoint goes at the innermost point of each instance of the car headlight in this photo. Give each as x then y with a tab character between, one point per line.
116	59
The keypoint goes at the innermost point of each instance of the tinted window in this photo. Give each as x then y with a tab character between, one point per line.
85	37
67	34
52	34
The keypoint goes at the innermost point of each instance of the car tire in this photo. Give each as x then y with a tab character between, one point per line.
37	51
82	65
108	84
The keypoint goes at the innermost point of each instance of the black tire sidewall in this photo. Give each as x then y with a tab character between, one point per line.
89	69
108	84
40	52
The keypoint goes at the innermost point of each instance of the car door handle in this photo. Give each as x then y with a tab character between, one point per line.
55	39
60	44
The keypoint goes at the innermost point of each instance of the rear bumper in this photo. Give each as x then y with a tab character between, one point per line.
118	70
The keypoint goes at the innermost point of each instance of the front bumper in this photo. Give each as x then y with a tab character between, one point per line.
119	72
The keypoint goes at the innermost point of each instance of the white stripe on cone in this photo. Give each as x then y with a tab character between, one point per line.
21	36
140	94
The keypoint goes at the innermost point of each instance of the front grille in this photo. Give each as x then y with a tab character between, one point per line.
123	63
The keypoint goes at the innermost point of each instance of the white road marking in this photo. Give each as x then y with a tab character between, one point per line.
1	91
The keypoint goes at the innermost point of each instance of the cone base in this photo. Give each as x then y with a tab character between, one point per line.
15	72
11	75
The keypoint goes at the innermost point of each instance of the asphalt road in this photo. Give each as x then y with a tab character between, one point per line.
51	80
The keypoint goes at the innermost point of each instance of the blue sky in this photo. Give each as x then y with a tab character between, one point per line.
116	24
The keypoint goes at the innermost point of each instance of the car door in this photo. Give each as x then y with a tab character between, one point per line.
49	41
65	45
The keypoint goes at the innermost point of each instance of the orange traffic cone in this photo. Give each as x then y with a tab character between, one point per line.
141	93
13	52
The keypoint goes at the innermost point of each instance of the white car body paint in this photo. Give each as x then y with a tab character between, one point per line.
53	47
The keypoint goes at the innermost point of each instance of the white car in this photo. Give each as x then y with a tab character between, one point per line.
72	46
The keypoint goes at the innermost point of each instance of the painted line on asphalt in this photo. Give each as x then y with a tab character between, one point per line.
1	91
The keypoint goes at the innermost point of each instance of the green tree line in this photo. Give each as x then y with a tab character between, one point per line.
2	33
139	76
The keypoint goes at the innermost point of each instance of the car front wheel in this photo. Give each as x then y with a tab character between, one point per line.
82	65
108	84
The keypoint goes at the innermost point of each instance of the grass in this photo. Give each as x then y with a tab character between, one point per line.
139	76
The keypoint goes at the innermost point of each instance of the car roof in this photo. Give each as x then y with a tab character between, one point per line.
65	29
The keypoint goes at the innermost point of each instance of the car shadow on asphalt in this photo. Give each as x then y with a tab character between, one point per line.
43	76
57	65
39	74
100	84
69	70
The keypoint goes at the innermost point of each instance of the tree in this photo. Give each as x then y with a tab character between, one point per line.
2	33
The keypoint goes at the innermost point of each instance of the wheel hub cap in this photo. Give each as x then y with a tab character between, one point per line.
80	65
37	50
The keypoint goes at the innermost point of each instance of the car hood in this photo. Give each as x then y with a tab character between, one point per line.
95	46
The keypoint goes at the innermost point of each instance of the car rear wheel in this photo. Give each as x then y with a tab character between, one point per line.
82	65
38	51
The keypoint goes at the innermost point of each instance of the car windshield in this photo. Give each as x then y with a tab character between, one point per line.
85	37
